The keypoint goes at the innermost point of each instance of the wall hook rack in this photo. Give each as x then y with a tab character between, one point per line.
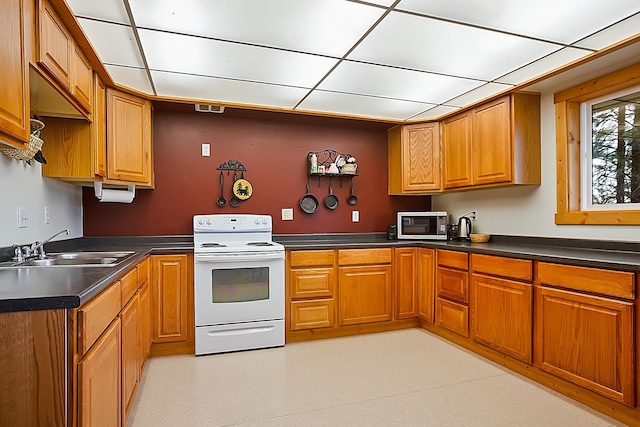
231	165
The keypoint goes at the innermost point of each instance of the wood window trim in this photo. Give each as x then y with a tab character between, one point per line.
568	184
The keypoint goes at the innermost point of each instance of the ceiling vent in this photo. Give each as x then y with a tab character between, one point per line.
203	108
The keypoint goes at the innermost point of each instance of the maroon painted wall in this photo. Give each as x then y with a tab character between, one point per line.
273	147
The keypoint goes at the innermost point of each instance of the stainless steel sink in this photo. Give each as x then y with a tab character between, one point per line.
74	259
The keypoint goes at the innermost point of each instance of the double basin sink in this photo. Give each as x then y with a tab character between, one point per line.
73	259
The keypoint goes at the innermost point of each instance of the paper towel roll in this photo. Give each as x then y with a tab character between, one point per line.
117	196
114	196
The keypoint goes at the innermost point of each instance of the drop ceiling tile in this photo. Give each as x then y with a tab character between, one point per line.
434	112
135	78
195	55
542	66
367	79
441	47
114	43
364	106
620	31
561	21
478	94
106	10
327	27
222	90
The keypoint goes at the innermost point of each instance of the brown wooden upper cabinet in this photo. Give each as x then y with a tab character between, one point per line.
62	59
414	159
14	66
128	138
497	143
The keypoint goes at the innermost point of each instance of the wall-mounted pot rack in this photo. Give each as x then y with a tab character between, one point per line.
324	160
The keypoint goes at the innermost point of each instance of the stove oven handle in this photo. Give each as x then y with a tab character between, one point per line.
235	258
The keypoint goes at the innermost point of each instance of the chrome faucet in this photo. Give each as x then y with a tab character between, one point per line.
35	249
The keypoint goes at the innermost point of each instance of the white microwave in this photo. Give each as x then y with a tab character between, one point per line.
422	225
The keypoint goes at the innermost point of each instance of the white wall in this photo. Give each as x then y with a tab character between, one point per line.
22	185
528	211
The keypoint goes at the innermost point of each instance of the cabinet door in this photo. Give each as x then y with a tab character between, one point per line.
99	381
81	78
406	283
55	44
14	90
129	320
452	316
365	294
491	149
456	151
503	315
144	300
452	284
99	128
128	138
169	298
587	340
426	283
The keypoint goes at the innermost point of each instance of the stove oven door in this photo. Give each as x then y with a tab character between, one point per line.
235	288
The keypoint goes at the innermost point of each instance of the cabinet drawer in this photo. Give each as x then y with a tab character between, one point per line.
96	315
453	259
312	314
520	269
452	284
312	282
143	271
364	256
452	316
311	258
606	282
129	284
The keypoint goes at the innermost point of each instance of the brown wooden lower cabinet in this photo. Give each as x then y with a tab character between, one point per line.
130	324
453	284
452	316
364	294
312	314
587	340
145	323
99	381
170	298
427	283
503	315
405	264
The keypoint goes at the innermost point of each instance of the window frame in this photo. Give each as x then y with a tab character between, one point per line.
569	188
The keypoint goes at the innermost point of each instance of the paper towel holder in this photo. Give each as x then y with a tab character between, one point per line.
97	188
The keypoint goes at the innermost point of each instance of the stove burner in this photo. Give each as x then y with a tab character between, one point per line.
212	245
260	244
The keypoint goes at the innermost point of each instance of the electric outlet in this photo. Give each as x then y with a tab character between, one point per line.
355	216
287	214
206	150
47	216
23	218
475	216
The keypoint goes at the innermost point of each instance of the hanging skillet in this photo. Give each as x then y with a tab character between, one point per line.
309	203
331	201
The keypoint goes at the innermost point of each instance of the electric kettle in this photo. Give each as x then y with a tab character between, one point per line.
464	228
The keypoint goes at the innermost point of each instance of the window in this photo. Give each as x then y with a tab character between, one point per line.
598	150
611	151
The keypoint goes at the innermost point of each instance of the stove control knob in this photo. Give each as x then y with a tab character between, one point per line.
257	221
264	221
208	221
201	221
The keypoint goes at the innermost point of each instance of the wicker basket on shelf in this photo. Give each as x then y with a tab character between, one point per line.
35	144
349	168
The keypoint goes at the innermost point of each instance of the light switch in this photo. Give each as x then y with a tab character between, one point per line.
23	218
206	150
287	214
355	216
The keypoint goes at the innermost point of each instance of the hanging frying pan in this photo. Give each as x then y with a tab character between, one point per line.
308	203
353	199
331	201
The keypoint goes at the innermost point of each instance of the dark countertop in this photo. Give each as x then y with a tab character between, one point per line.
43	288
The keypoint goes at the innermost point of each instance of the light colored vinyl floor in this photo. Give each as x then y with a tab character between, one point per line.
402	378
